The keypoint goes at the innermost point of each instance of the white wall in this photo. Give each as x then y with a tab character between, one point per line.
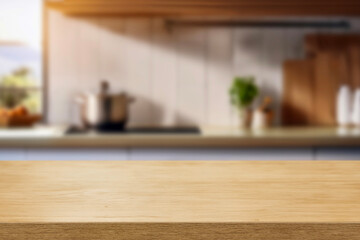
179	77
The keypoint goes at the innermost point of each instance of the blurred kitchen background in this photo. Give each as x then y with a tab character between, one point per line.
178	67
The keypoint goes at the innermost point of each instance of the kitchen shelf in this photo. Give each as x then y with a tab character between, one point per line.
258	24
243	8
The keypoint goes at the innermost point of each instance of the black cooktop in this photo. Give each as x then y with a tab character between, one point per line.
142	130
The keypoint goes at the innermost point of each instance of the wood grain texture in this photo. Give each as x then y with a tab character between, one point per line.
336	61
298	98
330	42
325	90
345	46
202	7
331	71
354	58
180	192
177	231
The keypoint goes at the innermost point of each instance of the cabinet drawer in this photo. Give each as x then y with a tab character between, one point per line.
222	154
337	154
12	155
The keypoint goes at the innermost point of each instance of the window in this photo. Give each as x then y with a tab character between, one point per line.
21	54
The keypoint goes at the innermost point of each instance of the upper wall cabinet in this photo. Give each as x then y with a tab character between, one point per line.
242	8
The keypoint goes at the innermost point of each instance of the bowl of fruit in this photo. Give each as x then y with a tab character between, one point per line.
19	99
17	117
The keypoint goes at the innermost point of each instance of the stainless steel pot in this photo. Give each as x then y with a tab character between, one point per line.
104	111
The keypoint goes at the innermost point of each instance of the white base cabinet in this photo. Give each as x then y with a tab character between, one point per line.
337	154
12	154
77	154
221	154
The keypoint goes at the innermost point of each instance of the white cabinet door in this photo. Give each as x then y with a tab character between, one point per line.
77	154
12	154
337	154
222	154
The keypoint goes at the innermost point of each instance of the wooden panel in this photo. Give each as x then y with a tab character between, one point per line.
315	43
179	192
337	60
178	231
354	59
298	96
331	70
207	3
201	7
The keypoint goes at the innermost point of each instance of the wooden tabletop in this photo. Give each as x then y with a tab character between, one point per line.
180	192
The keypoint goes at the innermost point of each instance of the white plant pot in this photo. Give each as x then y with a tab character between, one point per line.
356	109
244	118
344	106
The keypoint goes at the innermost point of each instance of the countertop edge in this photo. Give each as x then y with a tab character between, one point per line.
177	142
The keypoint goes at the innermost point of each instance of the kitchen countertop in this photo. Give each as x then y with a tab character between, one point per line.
228	199
55	137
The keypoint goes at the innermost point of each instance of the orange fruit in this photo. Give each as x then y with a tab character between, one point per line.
19	111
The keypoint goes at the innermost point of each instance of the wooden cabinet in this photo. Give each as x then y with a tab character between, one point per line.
243	8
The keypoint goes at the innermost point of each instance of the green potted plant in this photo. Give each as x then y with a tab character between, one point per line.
243	91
